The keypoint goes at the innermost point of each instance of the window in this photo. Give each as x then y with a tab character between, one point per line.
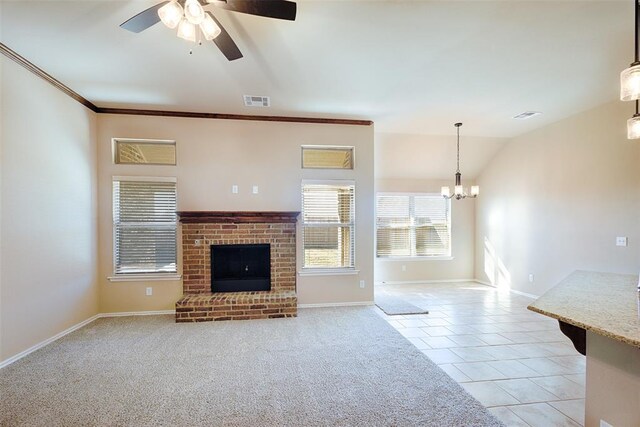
150	152
144	225
328	213
413	225
327	157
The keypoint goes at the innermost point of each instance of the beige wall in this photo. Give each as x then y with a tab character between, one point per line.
48	237
433	157
212	156
554	200
460	267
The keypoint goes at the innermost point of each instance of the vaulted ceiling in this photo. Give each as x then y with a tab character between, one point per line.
413	67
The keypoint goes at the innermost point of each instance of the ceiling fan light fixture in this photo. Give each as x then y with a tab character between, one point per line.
187	31
630	83
194	12
209	28
170	14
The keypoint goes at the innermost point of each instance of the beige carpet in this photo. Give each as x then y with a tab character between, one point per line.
328	367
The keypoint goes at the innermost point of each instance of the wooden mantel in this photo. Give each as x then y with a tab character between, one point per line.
227	217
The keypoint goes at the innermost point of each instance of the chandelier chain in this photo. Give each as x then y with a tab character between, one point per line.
458	145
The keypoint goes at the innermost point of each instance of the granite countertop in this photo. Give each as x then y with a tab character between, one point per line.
604	303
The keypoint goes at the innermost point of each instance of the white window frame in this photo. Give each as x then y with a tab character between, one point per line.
447	257
319	271
147	276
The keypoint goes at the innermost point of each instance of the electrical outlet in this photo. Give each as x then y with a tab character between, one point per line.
255	189
149	291
362	283
531	277
404	268
234	189
621	241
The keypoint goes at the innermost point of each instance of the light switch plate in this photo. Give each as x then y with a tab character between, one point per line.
149	291
621	241
234	189
255	189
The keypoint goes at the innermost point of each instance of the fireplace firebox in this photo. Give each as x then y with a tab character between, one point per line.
240	268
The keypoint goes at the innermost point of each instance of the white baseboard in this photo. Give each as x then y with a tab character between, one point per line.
524	294
336	304
137	313
38	346
418	282
75	327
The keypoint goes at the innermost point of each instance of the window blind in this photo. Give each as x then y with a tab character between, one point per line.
412	225
144	223
328	218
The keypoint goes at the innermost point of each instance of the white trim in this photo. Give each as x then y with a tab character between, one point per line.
344	182
336	304
417	282
328	272
75	327
524	294
415	258
137	313
144	178
48	341
155	277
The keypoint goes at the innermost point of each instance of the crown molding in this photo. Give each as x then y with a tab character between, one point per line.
221	116
14	56
28	65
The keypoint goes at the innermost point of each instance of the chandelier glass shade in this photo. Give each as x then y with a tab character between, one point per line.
189	19
630	81
633	125
459	192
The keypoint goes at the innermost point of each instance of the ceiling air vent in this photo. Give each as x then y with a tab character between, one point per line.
527	115
256	101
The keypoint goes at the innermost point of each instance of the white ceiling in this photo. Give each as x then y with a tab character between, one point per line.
414	67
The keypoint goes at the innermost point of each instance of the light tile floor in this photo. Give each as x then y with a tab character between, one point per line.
515	362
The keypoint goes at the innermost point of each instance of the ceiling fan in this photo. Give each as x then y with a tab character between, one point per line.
189	15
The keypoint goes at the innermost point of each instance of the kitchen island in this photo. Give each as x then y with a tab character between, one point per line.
604	309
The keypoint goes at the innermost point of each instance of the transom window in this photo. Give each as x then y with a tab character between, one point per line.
413	225
328	222
144	225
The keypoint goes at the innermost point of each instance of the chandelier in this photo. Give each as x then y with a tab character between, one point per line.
630	84
459	192
188	19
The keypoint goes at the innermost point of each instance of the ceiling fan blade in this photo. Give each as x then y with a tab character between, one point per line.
225	43
144	19
279	9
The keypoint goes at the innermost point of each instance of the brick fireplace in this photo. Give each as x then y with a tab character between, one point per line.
202	229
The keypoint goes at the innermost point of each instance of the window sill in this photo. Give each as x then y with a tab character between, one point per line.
416	258
328	272
145	277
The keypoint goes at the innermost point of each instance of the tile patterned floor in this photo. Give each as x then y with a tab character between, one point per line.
515	362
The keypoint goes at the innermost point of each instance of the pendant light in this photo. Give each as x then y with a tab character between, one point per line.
459	191
630	82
